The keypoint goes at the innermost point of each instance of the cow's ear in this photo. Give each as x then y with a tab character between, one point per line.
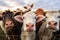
25	7
40	18
32	5
18	18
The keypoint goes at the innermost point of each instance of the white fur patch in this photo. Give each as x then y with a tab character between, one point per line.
53	18
29	18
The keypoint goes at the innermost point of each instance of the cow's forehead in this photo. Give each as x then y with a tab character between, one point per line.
29	14
52	18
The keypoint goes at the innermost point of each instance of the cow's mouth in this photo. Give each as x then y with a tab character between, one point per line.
9	28
51	28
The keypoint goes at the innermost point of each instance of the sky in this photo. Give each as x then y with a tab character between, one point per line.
44	4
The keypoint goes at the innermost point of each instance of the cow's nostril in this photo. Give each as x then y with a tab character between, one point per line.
27	25
6	24
32	25
11	23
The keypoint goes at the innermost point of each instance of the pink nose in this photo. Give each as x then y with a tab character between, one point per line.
8	24
30	27
52	24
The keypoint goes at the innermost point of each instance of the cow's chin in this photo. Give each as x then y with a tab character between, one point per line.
30	30
52	28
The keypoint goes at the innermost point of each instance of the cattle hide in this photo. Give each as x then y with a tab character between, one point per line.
44	33
28	35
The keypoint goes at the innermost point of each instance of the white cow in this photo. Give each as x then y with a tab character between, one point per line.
29	25
46	30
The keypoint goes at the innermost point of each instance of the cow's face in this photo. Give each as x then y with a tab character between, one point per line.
8	23
7	20
53	23
29	20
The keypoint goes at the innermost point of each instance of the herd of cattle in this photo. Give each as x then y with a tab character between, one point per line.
29	25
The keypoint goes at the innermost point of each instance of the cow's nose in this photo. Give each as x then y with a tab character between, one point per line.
29	25
9	24
52	24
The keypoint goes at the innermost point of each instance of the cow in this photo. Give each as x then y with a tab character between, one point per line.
25	9
56	35
43	31
28	7
41	14
29	19
46	30
11	27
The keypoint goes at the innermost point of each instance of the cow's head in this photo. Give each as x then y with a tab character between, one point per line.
7	18
52	23
29	20
40	14
28	8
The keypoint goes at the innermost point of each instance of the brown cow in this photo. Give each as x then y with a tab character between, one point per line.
44	32
10	26
40	13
